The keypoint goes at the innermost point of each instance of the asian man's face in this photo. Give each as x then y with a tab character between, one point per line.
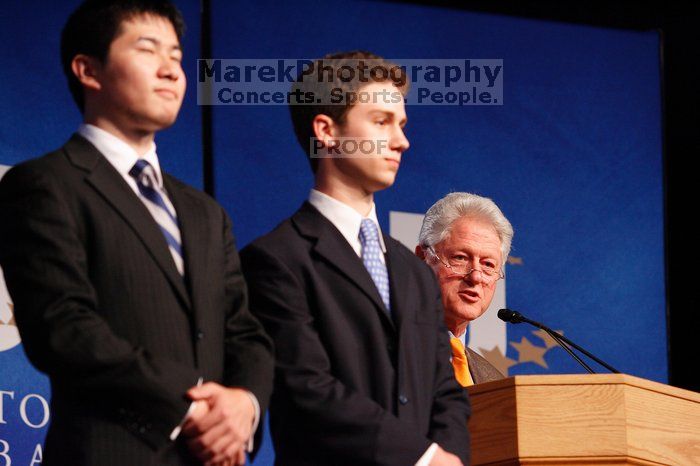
141	83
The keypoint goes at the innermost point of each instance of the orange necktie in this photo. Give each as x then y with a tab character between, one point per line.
459	362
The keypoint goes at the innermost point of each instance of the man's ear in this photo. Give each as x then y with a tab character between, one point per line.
420	253
325	130
86	69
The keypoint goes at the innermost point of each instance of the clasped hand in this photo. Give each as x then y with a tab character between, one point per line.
219	426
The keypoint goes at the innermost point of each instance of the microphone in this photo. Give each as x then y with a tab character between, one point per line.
508	315
514	317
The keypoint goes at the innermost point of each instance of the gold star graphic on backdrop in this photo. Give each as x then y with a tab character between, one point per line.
544	336
498	359
515	260
527	352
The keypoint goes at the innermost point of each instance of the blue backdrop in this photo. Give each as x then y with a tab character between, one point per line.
573	157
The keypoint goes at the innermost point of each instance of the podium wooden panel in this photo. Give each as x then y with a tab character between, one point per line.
597	419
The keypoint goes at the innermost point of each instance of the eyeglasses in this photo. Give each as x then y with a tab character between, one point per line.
463	269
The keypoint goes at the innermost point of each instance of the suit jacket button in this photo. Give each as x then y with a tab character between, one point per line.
200	335
403	399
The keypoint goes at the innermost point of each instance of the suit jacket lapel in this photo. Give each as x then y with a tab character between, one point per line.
335	250
102	176
481	369
192	231
471	362
398	282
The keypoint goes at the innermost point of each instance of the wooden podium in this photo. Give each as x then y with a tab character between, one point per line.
596	419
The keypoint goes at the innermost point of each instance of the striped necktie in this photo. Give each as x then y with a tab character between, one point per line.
371	251
158	204
460	363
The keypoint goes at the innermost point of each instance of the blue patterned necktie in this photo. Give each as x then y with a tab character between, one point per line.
158	204
371	257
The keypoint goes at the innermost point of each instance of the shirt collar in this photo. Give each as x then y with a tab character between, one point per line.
117	152
346	219
462	337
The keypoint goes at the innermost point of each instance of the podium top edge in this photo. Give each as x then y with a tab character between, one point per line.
583	379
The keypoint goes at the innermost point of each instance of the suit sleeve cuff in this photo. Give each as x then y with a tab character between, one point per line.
428	455
176	431
256	420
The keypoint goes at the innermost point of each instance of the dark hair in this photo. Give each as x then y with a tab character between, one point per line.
323	79
91	29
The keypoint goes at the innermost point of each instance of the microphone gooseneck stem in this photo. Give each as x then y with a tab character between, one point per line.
563	338
561	343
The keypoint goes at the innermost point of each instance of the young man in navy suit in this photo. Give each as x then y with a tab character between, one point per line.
363	374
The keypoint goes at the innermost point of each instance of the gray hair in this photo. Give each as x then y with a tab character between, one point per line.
440	217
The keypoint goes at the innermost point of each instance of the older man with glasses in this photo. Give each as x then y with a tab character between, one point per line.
466	239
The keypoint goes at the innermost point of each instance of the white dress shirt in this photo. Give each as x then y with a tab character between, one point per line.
120	154
347	220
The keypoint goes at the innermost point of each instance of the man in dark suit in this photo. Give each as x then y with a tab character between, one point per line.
127	285
466	239
362	356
